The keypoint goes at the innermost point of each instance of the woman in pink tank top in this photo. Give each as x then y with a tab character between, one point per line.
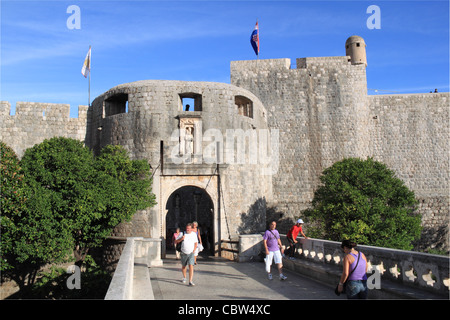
354	272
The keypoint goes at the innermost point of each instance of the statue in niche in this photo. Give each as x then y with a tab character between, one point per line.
189	140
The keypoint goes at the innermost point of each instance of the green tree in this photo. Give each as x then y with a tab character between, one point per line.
30	236
122	187
364	201
70	203
60	173
12	199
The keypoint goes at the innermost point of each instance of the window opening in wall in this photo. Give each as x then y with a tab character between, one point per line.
244	106
188	104
194	100
116	104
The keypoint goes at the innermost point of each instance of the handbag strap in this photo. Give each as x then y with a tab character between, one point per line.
273	234
359	254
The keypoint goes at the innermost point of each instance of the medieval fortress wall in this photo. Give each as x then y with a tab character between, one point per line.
410	134
318	108
324	114
321	110
34	122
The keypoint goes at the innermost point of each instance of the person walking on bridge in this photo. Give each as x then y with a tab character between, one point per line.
188	248
272	244
354	272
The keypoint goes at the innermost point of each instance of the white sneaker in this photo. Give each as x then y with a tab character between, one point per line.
283	277
191	284
269	275
184	280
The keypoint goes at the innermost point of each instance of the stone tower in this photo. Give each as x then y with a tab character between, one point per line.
355	47
202	159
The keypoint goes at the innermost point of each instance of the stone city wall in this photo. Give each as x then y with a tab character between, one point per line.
409	133
34	122
324	115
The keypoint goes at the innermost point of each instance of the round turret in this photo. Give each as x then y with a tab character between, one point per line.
355	47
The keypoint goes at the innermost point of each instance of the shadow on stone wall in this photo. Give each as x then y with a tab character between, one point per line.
284	221
435	238
255	219
259	215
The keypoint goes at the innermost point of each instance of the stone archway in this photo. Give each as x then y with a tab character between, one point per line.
187	204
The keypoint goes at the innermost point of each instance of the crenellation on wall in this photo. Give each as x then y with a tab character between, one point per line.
34	121
303	63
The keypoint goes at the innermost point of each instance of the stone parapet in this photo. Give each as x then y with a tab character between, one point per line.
250	247
399	273
33	122
131	280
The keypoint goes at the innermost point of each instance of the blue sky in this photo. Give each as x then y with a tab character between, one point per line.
41	58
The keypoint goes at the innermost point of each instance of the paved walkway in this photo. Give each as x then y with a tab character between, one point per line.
221	279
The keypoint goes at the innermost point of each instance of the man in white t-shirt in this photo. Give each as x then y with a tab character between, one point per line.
188	248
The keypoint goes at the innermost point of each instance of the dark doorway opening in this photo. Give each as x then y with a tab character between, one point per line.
189	204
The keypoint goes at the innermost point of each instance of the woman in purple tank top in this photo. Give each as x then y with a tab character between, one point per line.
354	272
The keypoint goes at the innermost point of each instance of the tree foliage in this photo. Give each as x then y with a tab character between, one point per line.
73	201
364	201
30	236
12	197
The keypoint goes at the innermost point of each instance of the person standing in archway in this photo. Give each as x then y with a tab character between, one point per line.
188	248
174	238
196	230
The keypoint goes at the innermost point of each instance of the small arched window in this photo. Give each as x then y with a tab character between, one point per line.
244	106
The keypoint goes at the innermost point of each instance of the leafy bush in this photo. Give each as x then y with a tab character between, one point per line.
364	201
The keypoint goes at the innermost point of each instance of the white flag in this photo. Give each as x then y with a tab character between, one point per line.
87	64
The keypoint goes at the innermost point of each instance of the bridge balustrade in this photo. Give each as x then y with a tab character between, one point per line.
392	273
387	268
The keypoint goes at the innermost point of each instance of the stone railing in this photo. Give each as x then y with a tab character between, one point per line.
131	279
389	269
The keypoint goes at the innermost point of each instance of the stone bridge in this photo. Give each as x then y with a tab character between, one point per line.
393	274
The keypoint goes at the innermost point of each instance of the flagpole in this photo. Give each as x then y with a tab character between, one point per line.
257	56
89	88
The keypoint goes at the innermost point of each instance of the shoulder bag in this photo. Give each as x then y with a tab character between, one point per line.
345	283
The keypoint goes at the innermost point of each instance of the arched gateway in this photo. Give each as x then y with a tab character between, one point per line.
187	199
188	204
